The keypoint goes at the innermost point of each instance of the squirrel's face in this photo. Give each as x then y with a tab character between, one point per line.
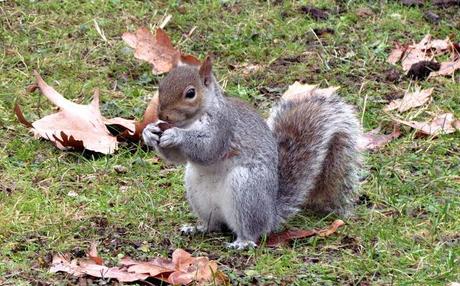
182	93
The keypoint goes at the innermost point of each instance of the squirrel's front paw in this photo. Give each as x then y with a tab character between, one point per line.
241	244
151	135
170	138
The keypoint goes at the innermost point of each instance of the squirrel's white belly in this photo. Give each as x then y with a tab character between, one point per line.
208	191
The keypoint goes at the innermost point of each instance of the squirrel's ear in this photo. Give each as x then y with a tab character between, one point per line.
206	71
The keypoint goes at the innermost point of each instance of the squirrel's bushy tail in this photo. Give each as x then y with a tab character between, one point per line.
318	154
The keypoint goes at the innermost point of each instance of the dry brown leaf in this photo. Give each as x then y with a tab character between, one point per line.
182	269
412	56
93	254
426	51
74	126
132	130
128	124
277	239
82	267
182	259
442	124
298	90
156	50
441	46
410	100
79	127
396	54
372	140
149	268
332	228
447	68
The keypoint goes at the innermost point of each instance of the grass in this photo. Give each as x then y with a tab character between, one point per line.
405	229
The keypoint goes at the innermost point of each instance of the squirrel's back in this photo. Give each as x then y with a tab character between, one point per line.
318	156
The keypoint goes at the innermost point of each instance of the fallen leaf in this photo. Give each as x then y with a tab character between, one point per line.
396	54
277	239
182	269
298	90
80	268
79	127
20	116
93	254
74	126
150	268
410	100
446	68
372	140
201	271
422	53
128	125
413	55
442	124
331	229
156	50
182	259
441	46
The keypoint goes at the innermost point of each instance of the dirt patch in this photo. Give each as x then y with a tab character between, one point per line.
352	243
315	13
365	200
283	63
242	261
7	187
452	240
392	75
393	95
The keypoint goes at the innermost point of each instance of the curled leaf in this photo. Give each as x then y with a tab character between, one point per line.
410	100
182	269
93	254
298	90
277	239
396	54
447	68
156	50
372	140
74	126
80	268
426	51
442	124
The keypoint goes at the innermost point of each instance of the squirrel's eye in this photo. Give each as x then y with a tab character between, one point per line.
190	93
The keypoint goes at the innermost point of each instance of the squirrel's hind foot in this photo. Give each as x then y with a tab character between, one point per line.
188	229
241	244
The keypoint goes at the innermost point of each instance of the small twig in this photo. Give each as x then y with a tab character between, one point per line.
100	31
165	21
322	46
365	101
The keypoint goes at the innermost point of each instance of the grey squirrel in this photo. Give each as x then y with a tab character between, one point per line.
247	174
